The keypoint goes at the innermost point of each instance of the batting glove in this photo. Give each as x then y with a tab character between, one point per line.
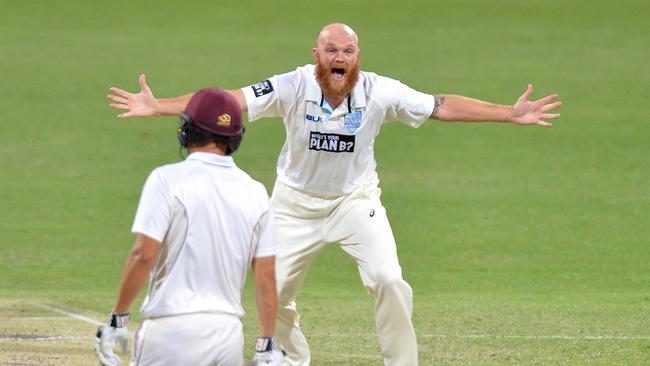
108	335
266	352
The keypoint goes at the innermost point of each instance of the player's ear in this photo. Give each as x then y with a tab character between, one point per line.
314	51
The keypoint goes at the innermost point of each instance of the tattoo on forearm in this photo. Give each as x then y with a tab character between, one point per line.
439	101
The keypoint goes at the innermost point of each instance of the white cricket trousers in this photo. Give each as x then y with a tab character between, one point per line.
359	224
209	339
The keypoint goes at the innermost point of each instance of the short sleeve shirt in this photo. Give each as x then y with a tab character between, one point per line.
212	220
330	154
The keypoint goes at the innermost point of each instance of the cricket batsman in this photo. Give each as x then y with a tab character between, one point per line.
200	224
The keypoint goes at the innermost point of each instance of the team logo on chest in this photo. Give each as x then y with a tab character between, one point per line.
352	121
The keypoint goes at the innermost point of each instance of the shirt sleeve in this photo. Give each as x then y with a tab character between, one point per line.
154	212
265	236
271	97
405	104
263	99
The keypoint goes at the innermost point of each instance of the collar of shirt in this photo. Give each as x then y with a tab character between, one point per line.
313	93
211	158
327	107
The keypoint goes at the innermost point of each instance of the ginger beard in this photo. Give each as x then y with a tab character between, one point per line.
329	79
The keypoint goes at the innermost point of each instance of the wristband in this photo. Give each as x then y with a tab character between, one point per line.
265	344
118	320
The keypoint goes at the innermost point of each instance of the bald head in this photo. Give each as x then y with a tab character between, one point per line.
337	61
337	30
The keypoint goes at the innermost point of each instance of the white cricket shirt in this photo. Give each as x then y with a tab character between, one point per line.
212	219
330	154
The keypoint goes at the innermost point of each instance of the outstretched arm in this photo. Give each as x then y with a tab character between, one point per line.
144	104
453	108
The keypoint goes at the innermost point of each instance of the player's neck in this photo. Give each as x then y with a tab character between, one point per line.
334	102
210	148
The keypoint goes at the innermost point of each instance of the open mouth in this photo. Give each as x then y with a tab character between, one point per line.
338	74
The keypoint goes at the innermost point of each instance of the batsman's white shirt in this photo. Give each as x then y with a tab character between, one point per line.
325	154
212	219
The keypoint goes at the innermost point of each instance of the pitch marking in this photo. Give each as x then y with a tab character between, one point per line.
471	336
40	339
69	314
73	315
587	337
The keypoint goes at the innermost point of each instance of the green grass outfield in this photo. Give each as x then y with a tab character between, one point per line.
524	246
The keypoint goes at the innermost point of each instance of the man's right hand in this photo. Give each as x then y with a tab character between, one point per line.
107	335
142	104
266	353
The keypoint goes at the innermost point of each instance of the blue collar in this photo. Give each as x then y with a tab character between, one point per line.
329	110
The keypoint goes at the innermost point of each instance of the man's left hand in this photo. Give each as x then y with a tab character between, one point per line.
526	112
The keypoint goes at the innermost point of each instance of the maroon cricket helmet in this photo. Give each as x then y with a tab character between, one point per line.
215	111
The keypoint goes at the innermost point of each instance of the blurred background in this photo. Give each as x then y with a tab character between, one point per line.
523	245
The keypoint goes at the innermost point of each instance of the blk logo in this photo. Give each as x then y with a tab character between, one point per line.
372	213
316	119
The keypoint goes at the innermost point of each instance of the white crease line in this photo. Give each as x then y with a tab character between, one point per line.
69	314
40	318
72	315
41	339
483	336
605	337
586	337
